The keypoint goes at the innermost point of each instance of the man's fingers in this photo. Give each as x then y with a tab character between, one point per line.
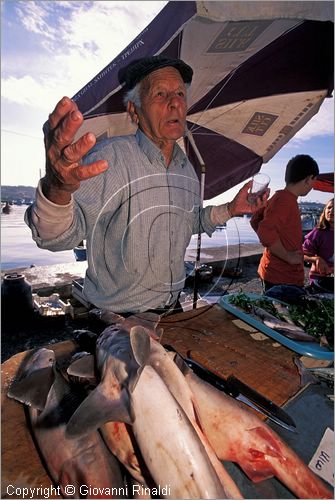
62	126
262	200
63	156
65	160
63	107
70	177
75	152
83	172
64	133
248	184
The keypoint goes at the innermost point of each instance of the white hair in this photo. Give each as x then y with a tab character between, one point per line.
134	95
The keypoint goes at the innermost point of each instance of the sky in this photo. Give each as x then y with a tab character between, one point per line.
53	48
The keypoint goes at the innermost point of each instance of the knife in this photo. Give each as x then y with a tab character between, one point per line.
238	390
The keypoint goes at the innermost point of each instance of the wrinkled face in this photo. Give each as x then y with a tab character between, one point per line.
162	115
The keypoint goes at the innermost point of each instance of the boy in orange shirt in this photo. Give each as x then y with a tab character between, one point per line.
279	229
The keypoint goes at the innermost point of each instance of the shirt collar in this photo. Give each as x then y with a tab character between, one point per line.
154	153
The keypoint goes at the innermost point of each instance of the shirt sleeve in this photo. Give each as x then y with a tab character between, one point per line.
309	245
50	220
203	216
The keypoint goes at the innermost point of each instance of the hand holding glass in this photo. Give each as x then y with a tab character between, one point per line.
259	184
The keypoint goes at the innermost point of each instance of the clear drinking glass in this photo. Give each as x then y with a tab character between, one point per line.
259	184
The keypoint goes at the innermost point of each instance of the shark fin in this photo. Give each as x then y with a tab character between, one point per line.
82	367
33	389
96	410
140	344
147	320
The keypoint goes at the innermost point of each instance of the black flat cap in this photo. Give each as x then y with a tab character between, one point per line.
137	70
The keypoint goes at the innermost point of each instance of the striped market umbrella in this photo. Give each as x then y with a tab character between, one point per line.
261	71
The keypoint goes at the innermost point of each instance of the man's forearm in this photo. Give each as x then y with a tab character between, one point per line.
220	214
54	194
50	219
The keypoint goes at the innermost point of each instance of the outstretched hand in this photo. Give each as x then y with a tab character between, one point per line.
240	205
63	171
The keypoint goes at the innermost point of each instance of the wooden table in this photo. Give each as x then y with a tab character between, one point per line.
230	346
227	344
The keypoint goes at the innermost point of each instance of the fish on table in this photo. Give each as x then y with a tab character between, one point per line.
220	425
169	443
289	329
80	462
325	373
239	436
131	391
171	430
163	363
283	311
118	436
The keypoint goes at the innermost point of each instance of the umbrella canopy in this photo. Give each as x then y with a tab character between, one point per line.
261	71
324	182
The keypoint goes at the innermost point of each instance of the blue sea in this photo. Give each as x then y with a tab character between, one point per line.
19	250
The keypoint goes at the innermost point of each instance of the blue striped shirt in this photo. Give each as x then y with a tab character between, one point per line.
137	218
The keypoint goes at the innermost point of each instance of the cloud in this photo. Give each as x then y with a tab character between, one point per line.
28	91
321	124
75	41
98	27
33	17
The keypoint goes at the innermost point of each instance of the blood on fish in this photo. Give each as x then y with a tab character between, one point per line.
239	436
256	475
272	444
118	428
256	454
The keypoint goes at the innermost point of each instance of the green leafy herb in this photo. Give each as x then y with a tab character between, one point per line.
315	315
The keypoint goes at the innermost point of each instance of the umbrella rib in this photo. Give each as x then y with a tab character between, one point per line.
219	91
206	133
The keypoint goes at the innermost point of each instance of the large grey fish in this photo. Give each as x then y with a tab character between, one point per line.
283	312
169	443
118	436
120	359
78	462
164	364
132	391
238	435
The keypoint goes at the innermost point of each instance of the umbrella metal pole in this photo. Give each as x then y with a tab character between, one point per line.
202	193
197	260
